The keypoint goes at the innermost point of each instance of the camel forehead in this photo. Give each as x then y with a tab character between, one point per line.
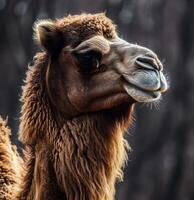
84	26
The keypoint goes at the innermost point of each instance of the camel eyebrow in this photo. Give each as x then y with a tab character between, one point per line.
97	43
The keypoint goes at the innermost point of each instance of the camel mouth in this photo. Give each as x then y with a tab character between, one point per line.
139	94
145	85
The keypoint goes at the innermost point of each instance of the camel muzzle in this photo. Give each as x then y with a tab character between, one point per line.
141	70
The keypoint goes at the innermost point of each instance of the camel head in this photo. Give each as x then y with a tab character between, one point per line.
90	68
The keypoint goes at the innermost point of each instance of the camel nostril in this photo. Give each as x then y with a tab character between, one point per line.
147	62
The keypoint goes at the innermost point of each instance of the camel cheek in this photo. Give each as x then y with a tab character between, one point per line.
78	99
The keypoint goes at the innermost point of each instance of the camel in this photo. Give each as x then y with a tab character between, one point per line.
77	102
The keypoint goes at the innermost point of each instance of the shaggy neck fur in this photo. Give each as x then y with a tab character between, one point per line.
74	159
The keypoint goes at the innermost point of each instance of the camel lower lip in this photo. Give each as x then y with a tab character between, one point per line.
141	95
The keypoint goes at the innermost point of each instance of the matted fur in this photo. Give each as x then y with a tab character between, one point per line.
73	159
10	164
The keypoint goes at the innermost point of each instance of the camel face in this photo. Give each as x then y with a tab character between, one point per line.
106	73
97	72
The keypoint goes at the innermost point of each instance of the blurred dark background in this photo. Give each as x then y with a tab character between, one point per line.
161	165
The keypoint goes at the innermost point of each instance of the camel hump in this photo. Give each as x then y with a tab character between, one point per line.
8	161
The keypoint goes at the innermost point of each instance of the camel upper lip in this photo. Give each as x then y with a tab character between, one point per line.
147	81
140	88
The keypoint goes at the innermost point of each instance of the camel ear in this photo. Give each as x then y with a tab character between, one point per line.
48	36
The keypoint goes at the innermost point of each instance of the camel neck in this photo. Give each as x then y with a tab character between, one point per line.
87	158
79	162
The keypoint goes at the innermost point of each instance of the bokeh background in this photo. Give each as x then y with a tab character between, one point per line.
161	165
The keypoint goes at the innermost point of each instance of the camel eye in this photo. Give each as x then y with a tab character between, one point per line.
89	61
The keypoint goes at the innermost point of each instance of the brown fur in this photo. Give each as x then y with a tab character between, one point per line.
76	158
10	164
